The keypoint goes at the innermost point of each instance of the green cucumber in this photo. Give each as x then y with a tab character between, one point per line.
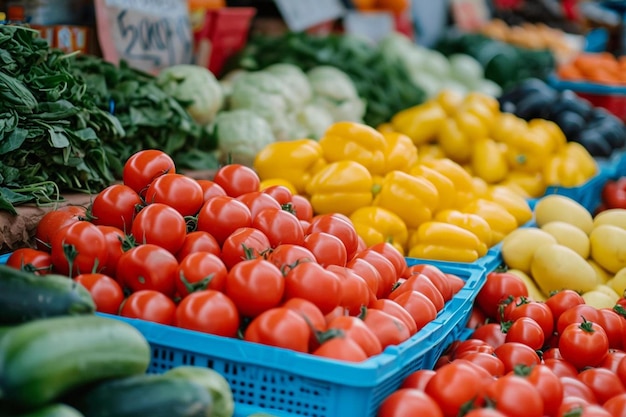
54	410
214	383
25	296
147	395
43	359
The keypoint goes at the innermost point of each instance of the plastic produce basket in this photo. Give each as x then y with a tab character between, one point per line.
4	258
292	383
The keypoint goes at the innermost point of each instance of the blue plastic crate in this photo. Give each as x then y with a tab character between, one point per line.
4	258
292	383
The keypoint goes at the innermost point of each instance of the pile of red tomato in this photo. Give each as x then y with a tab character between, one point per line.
223	257
558	358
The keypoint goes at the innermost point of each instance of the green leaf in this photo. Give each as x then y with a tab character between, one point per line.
86	134
13	141
58	139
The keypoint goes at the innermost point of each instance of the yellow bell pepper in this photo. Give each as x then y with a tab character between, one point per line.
471	222
488	104
445	242
571	167
412	198
400	152
270	182
355	142
340	187
444	185
528	184
499	219
454	142
512	202
471	125
505	125
529	149
385	128
377	224
430	151
481	188
449	100
461	179
489	161
296	160
553	131
421	123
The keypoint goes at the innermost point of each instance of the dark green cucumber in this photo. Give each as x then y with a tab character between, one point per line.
213	382
25	296
147	395
54	410
42	359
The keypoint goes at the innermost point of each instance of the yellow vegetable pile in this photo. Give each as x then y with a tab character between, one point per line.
427	207
570	249
497	147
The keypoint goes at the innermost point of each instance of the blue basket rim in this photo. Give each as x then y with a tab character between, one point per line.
585	86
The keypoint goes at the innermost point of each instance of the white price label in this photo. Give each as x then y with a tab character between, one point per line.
303	14
371	25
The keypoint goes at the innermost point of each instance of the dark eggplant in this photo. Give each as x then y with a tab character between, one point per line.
569	101
524	88
595	143
570	122
535	104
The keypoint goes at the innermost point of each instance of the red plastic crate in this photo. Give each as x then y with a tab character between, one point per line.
615	103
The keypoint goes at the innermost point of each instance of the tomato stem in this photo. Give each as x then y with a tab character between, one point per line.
70	253
620	310
505	326
196	286
192	223
574	412
289	208
587	326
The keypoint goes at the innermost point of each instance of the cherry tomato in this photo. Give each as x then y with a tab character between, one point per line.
435	275
489	362
562	301
510	391
354	291
390	252
388	277
614	327
572	387
198	241
419	306
616	406
302	207
222	215
79	248
105	291
180	192
584	344
149	305
407	402
549	387
244	243
115	247
603	383
499	286
55	220
30	260
339	226
148	267
237	179
537	311
160	225
257	201
491	333
513	354
280	327
328	249
388	329
366	271
200	271
210	189
280	193
115	206
144	166
341	348
527	331
561	367
310	281
418	379
577	315
287	256
208	311
354	328
255	285
397	311
280	227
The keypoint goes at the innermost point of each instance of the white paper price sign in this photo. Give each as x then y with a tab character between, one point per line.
302	14
371	25
470	15
149	34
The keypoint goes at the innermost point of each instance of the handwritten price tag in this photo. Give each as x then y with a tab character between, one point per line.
302	14
149	34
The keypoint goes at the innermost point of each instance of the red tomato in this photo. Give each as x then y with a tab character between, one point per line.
210	189
393	255
407	402
341	348
561	367
149	305
366	271
603	383
513	354
584	344
288	256
339	226
280	327
419	306
388	329
257	201
612	360
396	310
79	248
198	241
616	406
208	311
388	277
527	331
280	193
511	391
313	316
539	312
53	221
418	379
310	281
328	249
549	386
237	179
255	285
614	327
354	291
115	206
621	371
199	271
144	166
435	275
573	387
422	285
31	260
491	333
302	207
148	267
222	215
577	315
280	226
115	239
592	410
477	318
455	385
472	345
105	291
552	353
354	328
244	243
456	283
485	412
562	301
180	192
160	225
499	286
571	404
487	361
